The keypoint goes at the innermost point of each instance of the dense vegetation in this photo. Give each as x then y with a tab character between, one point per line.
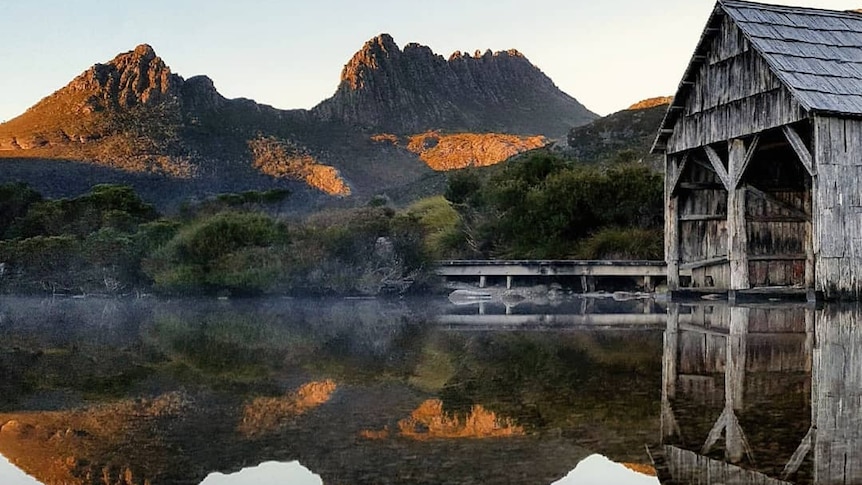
543	206
110	241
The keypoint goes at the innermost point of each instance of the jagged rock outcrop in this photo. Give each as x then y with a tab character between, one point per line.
132	78
384	88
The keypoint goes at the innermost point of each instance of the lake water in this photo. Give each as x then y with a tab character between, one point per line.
341	391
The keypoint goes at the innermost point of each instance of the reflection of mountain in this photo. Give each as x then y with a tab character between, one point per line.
763	395
169	392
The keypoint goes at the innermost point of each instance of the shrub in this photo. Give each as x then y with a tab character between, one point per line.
616	243
205	255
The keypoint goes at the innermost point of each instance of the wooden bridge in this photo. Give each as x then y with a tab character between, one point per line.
649	272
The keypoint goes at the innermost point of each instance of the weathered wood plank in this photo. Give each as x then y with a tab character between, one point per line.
790	210
718	166
737	233
679	169
800	148
671	228
735	119
738	172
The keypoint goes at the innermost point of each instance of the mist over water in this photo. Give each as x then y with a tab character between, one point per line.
424	391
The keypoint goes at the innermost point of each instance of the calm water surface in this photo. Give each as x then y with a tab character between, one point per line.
357	391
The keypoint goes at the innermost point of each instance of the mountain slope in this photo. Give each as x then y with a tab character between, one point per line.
138	121
629	133
414	90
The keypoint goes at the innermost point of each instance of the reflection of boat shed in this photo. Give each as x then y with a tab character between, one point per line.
763	146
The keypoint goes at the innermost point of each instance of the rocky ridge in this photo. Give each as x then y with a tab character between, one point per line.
132	114
413	90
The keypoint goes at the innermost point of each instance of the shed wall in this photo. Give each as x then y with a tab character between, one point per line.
734	94
838	207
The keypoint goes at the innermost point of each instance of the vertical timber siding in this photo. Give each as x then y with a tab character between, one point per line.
734	94
838	207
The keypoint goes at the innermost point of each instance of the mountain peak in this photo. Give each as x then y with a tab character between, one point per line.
135	77
145	50
369	58
412	90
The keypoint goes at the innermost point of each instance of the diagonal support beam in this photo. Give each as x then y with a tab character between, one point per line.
716	431
737	172
792	211
717	166
799	147
800	454
680	168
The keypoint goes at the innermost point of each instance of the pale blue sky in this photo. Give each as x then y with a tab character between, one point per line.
606	53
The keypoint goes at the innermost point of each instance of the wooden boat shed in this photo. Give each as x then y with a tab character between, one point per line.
763	152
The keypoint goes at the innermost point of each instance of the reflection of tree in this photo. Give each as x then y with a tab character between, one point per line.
596	384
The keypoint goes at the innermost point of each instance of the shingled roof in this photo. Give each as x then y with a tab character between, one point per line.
816	53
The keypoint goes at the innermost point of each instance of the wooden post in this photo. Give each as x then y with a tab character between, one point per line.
648	284
483	281
737	236
671	224
509	282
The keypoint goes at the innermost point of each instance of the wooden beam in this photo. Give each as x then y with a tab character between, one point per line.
778	257
700	185
738	172
799	147
777	219
679	169
794	212
717	166
671	229
737	233
801	452
702	217
705	263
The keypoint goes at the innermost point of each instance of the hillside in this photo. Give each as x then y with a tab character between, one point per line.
134	120
628	133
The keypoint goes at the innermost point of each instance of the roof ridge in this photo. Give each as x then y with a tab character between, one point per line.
792	9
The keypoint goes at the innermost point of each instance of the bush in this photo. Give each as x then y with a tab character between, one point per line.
15	200
542	206
615	243
203	256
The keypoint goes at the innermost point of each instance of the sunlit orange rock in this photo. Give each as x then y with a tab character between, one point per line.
385	138
460	150
429	421
267	414
640	468
77	447
651	102
282	159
